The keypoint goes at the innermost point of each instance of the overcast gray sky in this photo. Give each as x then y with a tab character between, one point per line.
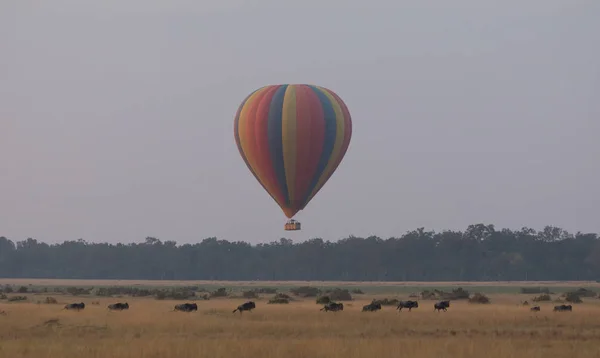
116	116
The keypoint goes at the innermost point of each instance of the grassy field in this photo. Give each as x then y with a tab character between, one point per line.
151	329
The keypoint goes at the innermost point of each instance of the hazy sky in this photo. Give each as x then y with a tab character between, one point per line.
116	116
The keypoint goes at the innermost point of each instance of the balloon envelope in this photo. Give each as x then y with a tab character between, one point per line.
292	138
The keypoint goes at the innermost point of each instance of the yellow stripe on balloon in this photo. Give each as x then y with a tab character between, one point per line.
337	146
288	127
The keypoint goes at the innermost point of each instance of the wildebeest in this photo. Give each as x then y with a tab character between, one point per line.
333	306
535	309
407	304
372	307
563	308
186	307
442	305
248	306
75	306
118	306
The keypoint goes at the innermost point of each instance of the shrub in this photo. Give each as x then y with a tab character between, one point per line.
174	294
22	289
306	291
340	295
76	291
532	290
278	300
542	298
8	289
17	298
267	290
358	291
387	302
249	294
323	300
479	298
573	297
582	292
458	294
50	300
2	296
221	292
282	295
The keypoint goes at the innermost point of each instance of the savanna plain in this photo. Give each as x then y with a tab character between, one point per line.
150	328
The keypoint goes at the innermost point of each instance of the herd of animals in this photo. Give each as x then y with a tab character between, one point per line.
331	306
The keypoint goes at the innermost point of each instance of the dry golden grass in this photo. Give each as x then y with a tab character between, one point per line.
298	330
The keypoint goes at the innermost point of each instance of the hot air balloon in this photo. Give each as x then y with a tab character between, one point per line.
292	137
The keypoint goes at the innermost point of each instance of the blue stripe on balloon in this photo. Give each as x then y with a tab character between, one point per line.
275	132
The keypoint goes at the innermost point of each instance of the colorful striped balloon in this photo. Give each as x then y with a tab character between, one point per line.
292	138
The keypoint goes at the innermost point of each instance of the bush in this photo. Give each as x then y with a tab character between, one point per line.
456	294
17	298
130	291
267	290
387	302
542	298
306	291
221	292
582	292
340	295
532	290
174	294
357	291
2	296
76	291
249	294
8	289
22	289
51	300
479	298
573	297
323	300
278	300
283	296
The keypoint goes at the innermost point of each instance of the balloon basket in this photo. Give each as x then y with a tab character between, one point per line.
292	225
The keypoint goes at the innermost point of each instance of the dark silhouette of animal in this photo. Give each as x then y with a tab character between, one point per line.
535	309
75	306
332	306
563	308
248	306
186	307
118	306
407	304
372	307
442	305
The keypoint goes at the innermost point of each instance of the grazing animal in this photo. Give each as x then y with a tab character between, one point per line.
407	304
535	309
563	308
248	306
332	306
118	306
186	307
75	306
372	307
442	305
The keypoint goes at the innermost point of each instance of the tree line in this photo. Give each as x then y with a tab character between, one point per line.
479	253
